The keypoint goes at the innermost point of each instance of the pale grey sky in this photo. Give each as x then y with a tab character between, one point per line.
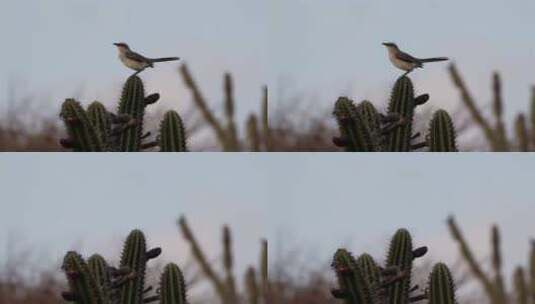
315	202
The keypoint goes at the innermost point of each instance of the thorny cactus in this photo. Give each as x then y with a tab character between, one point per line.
172	137
364	129
83	135
98	129
363	281
95	282
441	136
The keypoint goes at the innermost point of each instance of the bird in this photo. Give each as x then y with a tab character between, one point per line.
136	61
406	62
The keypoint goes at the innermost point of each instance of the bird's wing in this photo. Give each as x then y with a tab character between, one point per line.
136	57
406	57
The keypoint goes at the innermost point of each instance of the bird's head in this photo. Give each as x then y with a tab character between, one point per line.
390	45
121	46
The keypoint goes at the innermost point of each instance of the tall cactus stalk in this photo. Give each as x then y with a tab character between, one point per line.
132	103
83	136
400	256
172	137
441	135
402	102
441	286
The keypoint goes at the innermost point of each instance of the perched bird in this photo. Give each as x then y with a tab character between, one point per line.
136	61
406	62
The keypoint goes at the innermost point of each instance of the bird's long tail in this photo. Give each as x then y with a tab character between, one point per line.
434	59
164	59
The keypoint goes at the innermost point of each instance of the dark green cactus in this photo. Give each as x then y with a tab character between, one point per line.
172	286
400	256
83	286
101	120
132	103
371	116
441	137
83	136
172	136
134	257
441	286
354	287
99	269
365	282
355	132
402	102
370	269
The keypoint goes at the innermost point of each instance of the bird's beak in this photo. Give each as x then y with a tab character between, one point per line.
116	44
384	43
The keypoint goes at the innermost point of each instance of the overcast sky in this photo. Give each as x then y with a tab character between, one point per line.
314	203
321	49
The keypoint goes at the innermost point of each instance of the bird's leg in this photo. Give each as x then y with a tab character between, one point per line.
139	71
406	73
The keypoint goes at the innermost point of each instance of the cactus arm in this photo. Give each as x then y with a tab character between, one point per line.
252	133
468	256
134	258
200	102
228	262
198	254
229	112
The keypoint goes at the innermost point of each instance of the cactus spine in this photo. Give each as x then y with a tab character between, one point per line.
441	287
172	136
402	103
83	287
441	133
83	136
172	286
355	133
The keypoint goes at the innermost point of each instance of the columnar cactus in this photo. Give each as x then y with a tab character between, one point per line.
441	286
355	132
132	103
172	137
172	286
101	120
83	136
400	256
82	284
441	137
354	286
363	128
363	281
101	130
95	282
402	102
